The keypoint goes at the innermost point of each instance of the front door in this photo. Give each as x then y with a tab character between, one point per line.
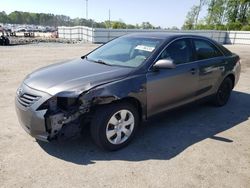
168	88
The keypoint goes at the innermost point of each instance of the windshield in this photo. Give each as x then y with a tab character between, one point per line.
127	52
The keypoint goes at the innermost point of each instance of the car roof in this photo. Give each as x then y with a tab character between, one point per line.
163	35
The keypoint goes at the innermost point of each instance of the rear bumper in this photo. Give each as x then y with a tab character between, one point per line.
31	120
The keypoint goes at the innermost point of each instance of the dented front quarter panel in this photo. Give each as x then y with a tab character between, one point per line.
130	87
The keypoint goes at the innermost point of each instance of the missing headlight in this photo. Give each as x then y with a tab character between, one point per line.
53	104
59	103
65	103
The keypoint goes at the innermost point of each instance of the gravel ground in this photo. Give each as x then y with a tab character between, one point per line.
196	146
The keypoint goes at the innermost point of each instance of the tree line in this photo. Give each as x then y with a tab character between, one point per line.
18	17
220	15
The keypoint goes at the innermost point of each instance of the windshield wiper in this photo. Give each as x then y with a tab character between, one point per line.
102	62
99	61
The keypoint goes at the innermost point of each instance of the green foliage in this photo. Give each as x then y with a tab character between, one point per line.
18	17
174	28
115	25
118	25
130	26
147	25
3	17
191	18
236	26
221	15
246	28
204	27
216	11
221	27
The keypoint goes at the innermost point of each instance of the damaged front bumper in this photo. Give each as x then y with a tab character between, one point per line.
32	121
42	123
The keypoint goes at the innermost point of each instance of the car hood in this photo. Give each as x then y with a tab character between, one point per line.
78	74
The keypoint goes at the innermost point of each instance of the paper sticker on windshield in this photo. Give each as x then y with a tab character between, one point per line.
145	48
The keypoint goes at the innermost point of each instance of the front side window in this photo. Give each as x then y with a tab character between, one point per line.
127	51
179	52
205	50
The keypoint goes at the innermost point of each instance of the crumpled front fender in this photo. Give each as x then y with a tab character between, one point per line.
132	87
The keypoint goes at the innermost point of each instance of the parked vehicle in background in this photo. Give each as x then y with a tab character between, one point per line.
4	40
122	83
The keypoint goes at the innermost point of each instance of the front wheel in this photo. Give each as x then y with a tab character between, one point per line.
114	125
223	94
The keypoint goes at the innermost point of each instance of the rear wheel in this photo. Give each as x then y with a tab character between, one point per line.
114	125
223	94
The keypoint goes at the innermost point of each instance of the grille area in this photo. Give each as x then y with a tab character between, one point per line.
27	100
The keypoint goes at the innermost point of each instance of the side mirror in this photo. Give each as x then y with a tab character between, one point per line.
164	64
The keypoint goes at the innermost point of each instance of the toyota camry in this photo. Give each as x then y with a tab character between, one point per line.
122	83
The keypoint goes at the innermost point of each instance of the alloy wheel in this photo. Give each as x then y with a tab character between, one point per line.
120	127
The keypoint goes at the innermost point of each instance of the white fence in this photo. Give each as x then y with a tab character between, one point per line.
238	37
76	33
97	35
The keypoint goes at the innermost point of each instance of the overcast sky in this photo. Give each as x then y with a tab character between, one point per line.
164	13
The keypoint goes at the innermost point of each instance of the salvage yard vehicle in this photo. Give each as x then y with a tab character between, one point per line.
4	40
123	82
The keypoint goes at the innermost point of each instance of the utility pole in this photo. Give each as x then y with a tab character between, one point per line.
109	19
109	25
87	9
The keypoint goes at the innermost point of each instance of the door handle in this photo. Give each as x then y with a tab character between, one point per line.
193	71
222	68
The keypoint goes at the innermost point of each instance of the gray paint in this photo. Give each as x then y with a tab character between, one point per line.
77	74
93	84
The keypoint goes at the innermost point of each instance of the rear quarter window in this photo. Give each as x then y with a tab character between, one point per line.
205	50
225	50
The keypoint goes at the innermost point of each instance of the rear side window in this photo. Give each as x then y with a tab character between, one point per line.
226	51
205	50
179	51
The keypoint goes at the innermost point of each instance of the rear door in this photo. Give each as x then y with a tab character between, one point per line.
211	63
168	88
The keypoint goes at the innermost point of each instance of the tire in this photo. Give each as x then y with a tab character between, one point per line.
110	124
223	94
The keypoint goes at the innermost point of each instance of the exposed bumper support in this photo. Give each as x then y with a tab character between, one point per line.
41	124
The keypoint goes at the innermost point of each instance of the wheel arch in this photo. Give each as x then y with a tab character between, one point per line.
131	100
135	102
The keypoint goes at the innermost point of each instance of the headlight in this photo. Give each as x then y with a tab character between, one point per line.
64	101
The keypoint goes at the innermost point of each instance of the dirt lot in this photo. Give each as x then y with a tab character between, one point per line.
198	146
